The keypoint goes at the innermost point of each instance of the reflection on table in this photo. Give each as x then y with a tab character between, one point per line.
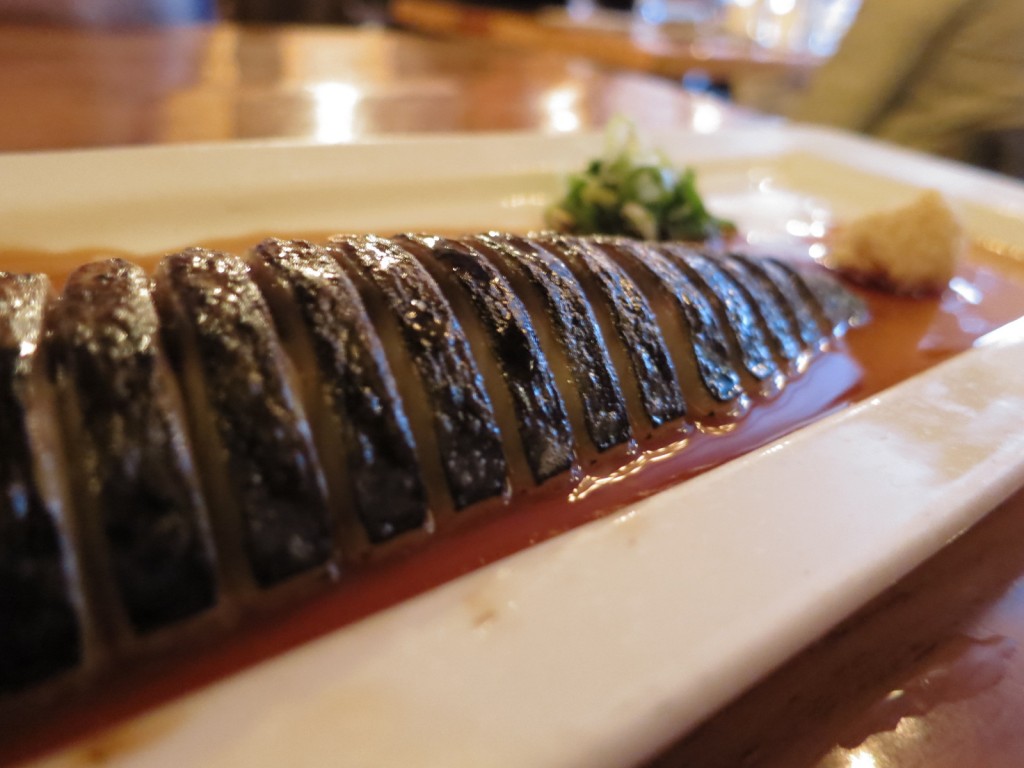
90	88
738	39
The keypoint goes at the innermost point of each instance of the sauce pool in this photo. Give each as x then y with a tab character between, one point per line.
906	336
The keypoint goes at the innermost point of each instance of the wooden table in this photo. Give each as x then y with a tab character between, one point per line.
608	37
928	674
62	89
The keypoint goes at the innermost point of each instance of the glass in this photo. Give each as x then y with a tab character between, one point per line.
806	26
675	19
598	11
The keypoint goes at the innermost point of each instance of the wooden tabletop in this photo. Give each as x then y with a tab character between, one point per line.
609	37
64	88
929	674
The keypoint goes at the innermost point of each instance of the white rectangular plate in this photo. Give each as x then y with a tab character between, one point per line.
595	648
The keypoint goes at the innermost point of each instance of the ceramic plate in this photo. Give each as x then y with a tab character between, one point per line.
599	646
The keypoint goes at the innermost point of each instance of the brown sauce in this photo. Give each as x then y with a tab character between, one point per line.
906	336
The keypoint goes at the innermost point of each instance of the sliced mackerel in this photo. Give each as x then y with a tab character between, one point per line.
40	624
180	452
634	323
570	318
540	416
253	443
465	430
363	435
142	519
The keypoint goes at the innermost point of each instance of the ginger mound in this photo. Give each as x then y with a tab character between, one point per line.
912	249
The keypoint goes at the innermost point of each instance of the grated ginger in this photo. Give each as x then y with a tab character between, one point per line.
913	249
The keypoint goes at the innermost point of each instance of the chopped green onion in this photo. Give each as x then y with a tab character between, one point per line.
634	191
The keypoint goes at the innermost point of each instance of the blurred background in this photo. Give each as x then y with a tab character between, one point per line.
941	76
